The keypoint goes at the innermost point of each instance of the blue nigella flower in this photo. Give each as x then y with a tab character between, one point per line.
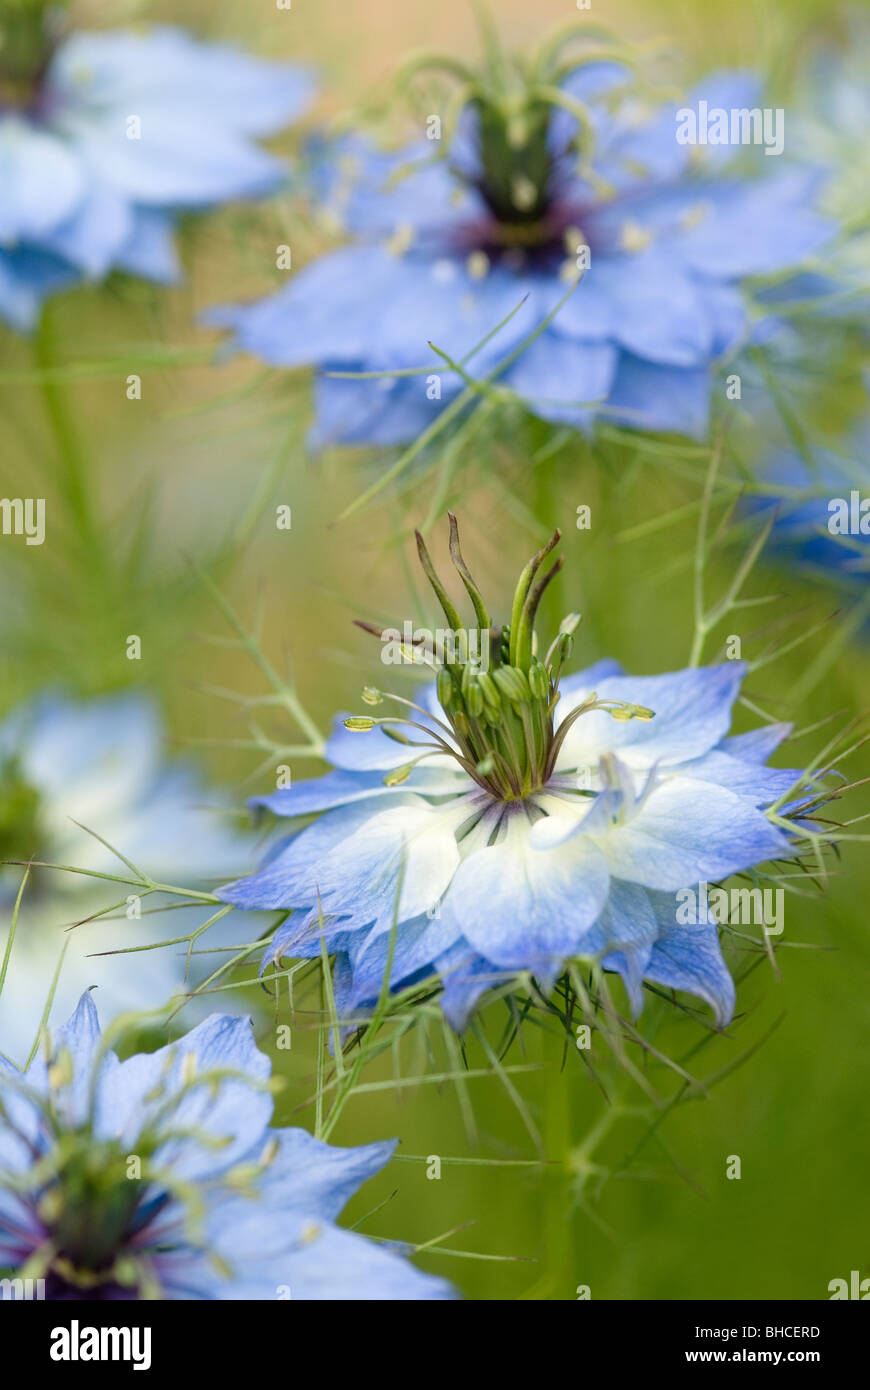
102	763
511	820
105	137
159	1177
826	533
555	173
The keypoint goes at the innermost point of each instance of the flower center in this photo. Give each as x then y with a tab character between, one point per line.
29	33
498	695
518	162
89	1212
516	168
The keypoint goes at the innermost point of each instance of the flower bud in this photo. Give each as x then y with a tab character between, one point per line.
512	683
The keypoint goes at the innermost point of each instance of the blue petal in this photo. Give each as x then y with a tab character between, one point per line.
758	228
27	277
648	396
317	1179
339	788
465	978
561	380
378	413
692	714
235	1112
688	832
149	250
690	958
758	784
528	909
92	237
42	180
659	311
757	745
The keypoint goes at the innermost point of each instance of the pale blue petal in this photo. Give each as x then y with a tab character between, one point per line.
136	1090
94	235
692	712
757	745
42	181
688	832
339	788
649	396
465	978
149	250
690	958
528	909
758	228
317	1179
562	380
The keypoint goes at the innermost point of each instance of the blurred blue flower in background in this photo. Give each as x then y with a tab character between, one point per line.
220	1207
552	180
102	763
512	823
106	136
826	532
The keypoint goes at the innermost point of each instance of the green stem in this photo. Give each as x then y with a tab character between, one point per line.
71	457
559	1221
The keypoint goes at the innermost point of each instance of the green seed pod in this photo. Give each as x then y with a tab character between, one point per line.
490	690
539	682
512	683
474	701
460	723
444	686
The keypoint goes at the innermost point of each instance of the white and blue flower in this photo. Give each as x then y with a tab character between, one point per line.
514	820
100	764
159	1177
105	137
541	164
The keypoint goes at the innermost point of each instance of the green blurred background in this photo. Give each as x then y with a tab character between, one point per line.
194	471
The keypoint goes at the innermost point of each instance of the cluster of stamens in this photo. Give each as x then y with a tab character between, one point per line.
498	695
514	98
